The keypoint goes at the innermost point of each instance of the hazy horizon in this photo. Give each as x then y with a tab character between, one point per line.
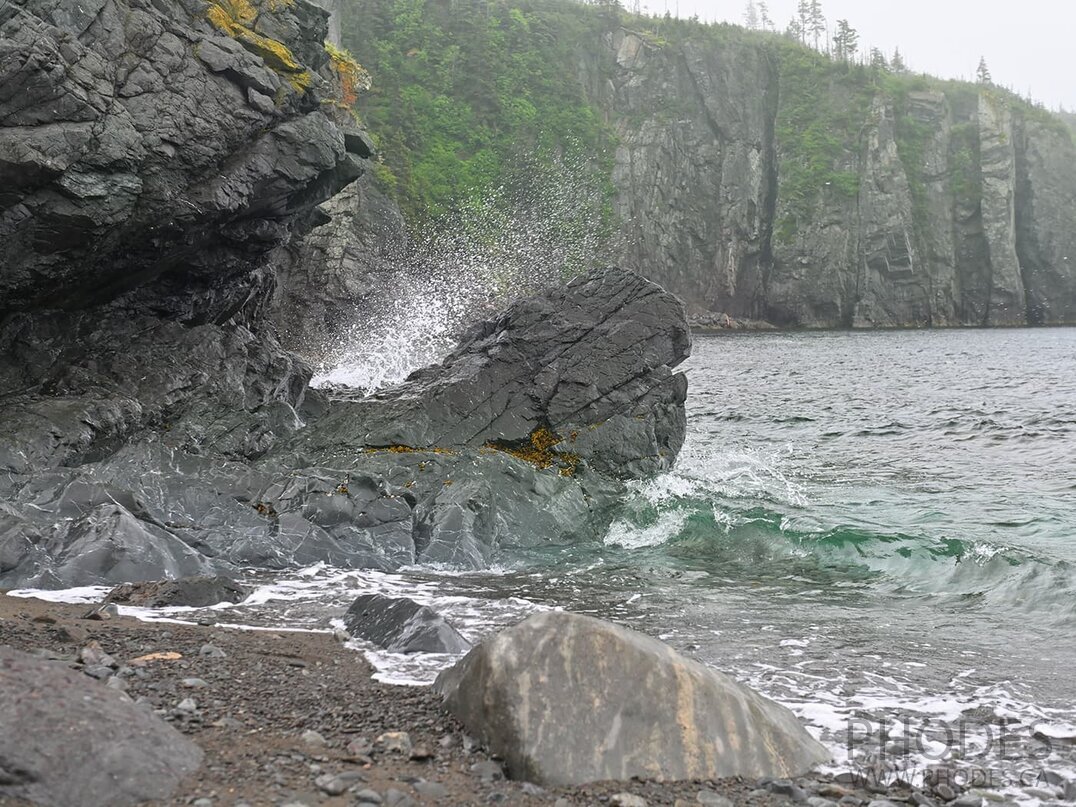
944	39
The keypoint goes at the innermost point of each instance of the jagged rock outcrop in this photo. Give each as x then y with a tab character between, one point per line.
519	439
589	365
174	147
568	699
68	739
758	183
330	278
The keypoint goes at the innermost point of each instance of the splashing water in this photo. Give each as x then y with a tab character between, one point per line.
510	242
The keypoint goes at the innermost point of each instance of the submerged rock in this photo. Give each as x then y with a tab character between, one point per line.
197	592
567	699
70	740
401	625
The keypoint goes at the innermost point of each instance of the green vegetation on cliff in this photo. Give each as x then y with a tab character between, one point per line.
462	98
747	170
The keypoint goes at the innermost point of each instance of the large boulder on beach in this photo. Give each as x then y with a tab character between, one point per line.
401	625
68	739
584	370
567	699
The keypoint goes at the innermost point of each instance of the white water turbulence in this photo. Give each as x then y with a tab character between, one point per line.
467	266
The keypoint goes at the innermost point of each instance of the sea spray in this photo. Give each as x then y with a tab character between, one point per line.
468	265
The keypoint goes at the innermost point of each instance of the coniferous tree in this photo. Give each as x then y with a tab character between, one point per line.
816	22
983	73
794	30
845	42
803	13
878	61
897	64
750	15
764	16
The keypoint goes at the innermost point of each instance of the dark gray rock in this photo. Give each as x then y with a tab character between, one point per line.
584	371
402	626
328	279
70	740
567	699
197	592
119	171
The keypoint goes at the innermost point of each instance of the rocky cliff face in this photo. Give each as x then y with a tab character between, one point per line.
919	208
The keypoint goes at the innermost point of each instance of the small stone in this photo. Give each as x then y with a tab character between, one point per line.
488	771
102	612
421	753
341	635
562	802
920	799
211	651
627	800
93	655
187	705
1070	791
1036	792
311	737
970	800
360	747
780	787
850	801
833	791
818	801
338	784
395	742
72	634
944	791
994	796
202	803
532	789
116	683
194	683
881	803
368	796
98	671
44	619
447	741
397	798
430	790
710	799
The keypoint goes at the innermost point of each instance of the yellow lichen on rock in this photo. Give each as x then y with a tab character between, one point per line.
236	18
354	78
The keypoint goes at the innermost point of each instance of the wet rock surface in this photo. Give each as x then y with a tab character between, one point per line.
194	592
569	699
401	625
160	167
591	364
204	451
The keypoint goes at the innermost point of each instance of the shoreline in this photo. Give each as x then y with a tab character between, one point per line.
254	704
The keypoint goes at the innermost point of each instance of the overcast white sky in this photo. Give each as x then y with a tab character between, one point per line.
1028	44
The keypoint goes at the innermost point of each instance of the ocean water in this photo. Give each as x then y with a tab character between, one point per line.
876	529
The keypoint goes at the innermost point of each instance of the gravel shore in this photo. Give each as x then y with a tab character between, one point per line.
288	718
